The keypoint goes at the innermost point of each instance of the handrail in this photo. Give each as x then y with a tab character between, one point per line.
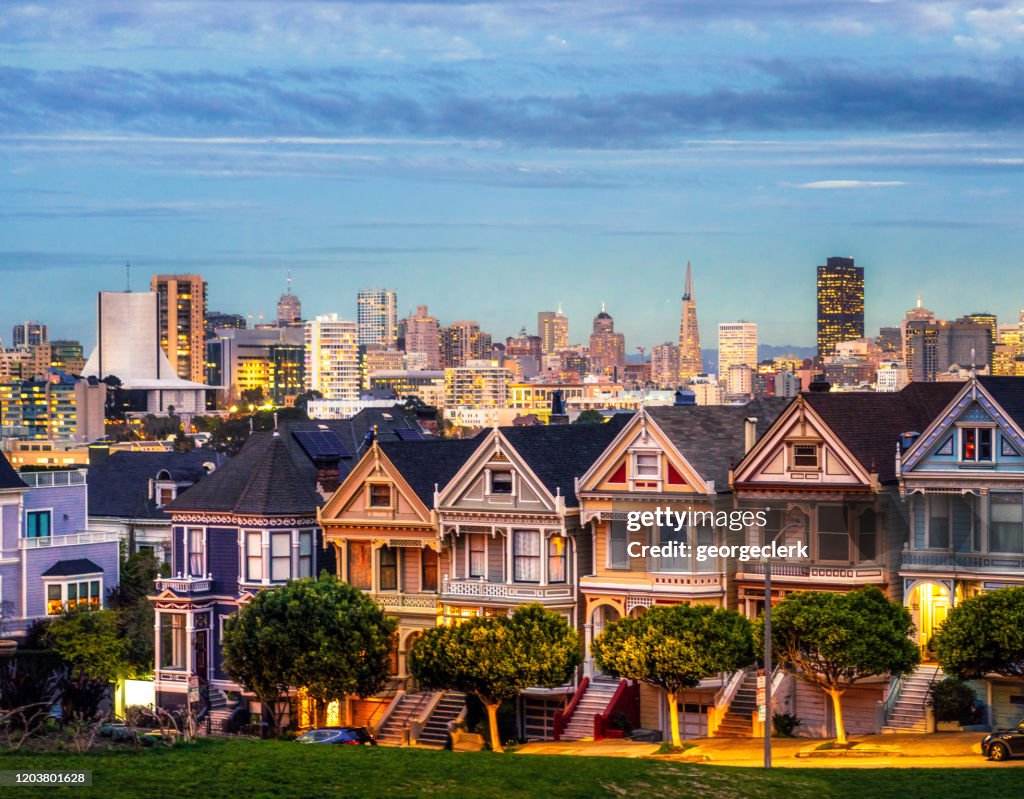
389	708
561	718
625	700
728	691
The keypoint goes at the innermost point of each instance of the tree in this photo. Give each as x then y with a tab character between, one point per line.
318	634
302	400
497	657
135	613
89	641
252	396
984	635
590	416
674	647
833	640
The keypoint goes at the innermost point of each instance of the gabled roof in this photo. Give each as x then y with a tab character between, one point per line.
712	438
1009	393
119	483
72	568
261	480
870	424
558	454
8	477
424	464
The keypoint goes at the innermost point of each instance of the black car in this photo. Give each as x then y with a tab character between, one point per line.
1004	744
354	736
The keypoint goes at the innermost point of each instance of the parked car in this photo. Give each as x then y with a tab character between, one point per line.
355	736
1004	744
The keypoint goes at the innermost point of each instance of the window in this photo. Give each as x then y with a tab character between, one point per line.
976	444
501	482
38	523
667	536
254	556
172	641
54	600
280	556
867	535
196	552
305	553
360	568
388	569
706	538
618	542
805	456
833	532
428	566
76	595
526	556
1006	527
938	522
164	496
380	495
556	559
477	555
648	466
772	526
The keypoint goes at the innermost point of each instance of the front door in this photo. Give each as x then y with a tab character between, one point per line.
200	667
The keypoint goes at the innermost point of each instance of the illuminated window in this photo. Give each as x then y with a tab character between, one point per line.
172	641
976	444
78	594
556	559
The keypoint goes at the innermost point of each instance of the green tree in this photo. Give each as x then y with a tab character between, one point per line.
302	400
833	640
90	642
318	634
135	613
674	647
984	635
590	416
497	657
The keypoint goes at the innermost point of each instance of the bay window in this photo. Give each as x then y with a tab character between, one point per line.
677	562
78	594
556	559
938	522
388	571
526	556
1006	523
618	544
280	556
254	556
833	533
305	553
172	641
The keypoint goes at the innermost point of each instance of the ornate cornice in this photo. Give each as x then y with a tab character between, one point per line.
236	520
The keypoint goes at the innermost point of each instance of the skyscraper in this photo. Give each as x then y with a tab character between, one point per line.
29	334
332	357
665	370
181	315
691	362
840	304
289	307
553	329
737	346
607	348
423	335
377	317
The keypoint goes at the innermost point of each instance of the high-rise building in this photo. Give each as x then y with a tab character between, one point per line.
29	334
920	349
462	342
332	357
607	348
423	336
665	371
890	341
553	329
737	345
289	307
481	384
691	362
987	320
181	316
377	317
67	355
218	320
932	347
264	361
840	304
916	314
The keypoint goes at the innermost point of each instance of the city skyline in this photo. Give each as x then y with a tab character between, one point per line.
540	154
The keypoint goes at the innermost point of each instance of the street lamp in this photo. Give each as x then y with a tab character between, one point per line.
768	646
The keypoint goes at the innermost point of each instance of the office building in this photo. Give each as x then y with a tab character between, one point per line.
332	357
461	342
423	337
607	348
377	317
29	334
289	307
262	362
553	330
181	315
691	361
840	303
737	344
665	369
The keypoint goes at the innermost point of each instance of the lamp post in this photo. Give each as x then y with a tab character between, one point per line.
768	647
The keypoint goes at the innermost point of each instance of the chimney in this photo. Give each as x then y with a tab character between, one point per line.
820	383
558	414
99	451
749	433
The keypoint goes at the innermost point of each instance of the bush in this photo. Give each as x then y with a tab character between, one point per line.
785	724
953	700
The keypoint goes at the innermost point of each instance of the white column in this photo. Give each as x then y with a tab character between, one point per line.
156	641
189	632
543	556
509	556
588	660
295	555
984	520
266	555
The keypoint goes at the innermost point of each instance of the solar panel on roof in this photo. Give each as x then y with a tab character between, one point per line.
409	434
320	444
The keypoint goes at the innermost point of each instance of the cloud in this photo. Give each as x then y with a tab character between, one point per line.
850	184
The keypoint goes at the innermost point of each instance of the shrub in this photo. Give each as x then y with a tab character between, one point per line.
785	724
952	700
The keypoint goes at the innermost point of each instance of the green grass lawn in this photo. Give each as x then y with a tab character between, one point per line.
242	769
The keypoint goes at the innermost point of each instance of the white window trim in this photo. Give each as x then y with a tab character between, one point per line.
264	542
369	496
64	582
818	533
513	479
158	486
469	557
818	451
608	552
961	426
188	551
39	510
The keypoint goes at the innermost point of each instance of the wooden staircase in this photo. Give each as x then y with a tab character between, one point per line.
393	731
738	719
435	730
909	713
596	698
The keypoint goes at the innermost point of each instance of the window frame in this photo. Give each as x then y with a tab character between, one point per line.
392	568
304	537
929	515
480	573
431	585
820	532
639	465
371	500
624	564
976	430
248	558
795	465
530	561
1020	525
35	513
275	560
190	553
561	558
94	599
491	492
177	647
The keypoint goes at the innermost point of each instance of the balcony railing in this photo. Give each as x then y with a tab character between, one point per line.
395	600
481	589
54	479
817	573
185	585
942	561
68	540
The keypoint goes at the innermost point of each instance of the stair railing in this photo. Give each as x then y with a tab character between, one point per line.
625	702
419	717
889	702
723	699
389	708
561	717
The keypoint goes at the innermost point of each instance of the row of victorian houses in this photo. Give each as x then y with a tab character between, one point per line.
917	492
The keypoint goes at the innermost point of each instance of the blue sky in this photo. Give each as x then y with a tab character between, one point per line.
493	159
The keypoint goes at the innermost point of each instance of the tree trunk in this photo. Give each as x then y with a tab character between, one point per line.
492	723
673	719
837	707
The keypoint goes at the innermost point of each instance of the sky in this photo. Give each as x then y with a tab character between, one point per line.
492	159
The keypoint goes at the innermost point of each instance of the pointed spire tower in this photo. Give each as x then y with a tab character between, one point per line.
690	360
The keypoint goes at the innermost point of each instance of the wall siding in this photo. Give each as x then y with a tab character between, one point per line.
69	501
105	555
222	558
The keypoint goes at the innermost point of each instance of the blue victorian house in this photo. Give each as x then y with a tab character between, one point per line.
249	525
